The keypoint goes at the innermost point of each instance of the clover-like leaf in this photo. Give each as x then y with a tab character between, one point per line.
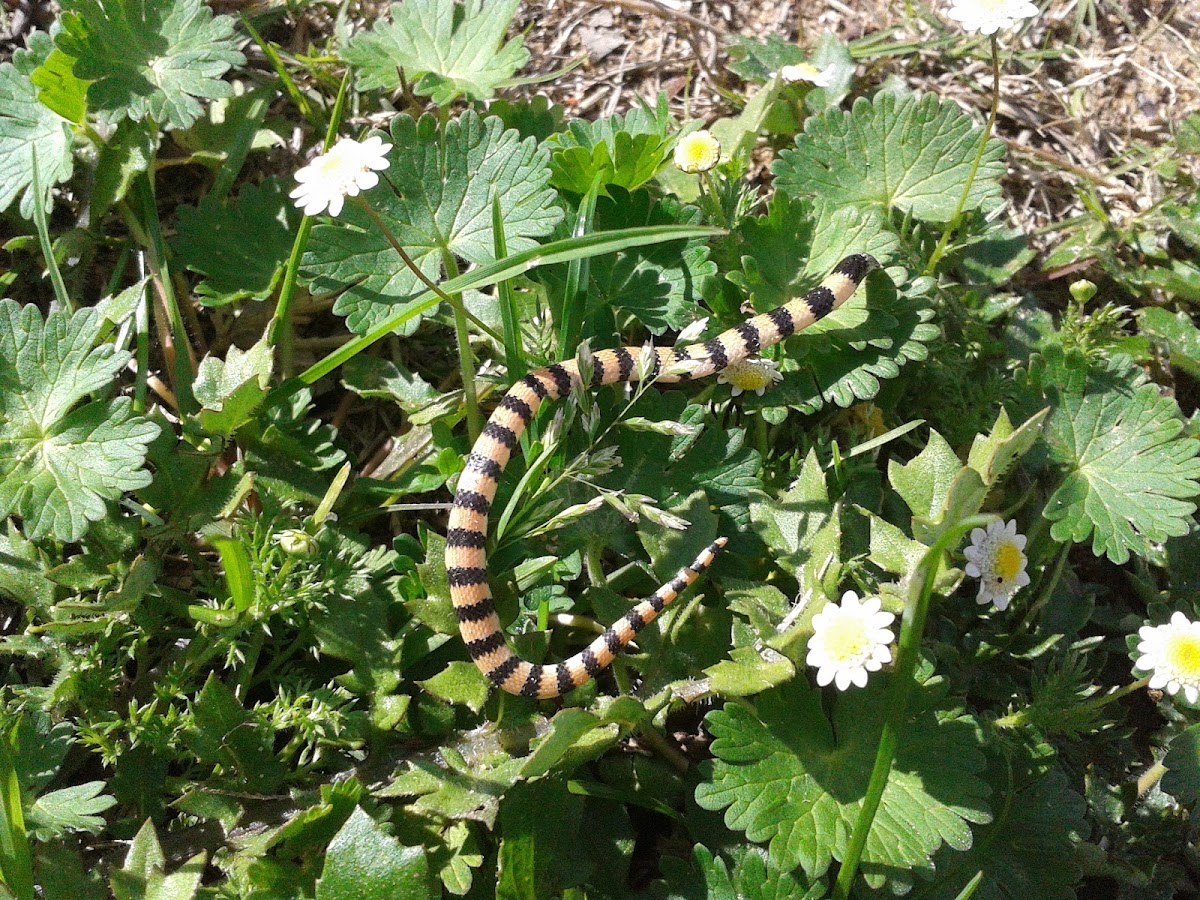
28	127
1128	478
61	460
621	151
241	244
445	49
795	780
911	154
437	200
149	58
1029	851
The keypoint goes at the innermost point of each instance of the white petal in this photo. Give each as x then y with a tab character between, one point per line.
825	675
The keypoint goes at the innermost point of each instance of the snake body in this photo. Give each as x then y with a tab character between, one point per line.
466	560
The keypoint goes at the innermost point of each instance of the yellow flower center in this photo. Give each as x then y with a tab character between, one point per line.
1008	562
748	378
845	639
806	71
1182	653
698	152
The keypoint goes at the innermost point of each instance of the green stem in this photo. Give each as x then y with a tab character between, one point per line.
940	250
43	230
912	628
514	355
466	358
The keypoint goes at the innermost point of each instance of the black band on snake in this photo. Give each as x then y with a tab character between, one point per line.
466	560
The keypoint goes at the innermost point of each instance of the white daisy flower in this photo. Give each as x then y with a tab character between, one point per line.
349	167
849	640
807	72
751	374
997	559
1172	653
697	152
990	16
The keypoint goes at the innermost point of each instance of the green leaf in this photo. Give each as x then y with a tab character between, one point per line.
149	58
1183	766
543	850
62	461
446	785
60	89
364	863
444	48
1178	332
795	780
435	609
846	356
239	245
460	682
1128	477
748	671
240	741
803	530
910	154
621	151
128	153
73	808
1030	851
439	207
22	571
992	454
143	876
230	390
28	127
663	285
749	876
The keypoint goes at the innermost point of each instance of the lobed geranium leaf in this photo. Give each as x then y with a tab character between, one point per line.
230	390
436	198
1029	851
793	779
72	808
621	151
239	245
366	863
444	48
1128	478
29	127
910	154
62	460
749	874
149	58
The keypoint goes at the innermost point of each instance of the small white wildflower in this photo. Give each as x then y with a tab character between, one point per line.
849	640
807	72
752	374
697	152
349	167
990	16
1172	653
997	559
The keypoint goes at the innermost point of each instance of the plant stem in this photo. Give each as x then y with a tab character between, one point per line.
466	358
912	628
940	250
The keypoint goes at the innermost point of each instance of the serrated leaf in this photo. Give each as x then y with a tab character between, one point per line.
127	153
230	390
60	89
28	127
444	48
439	206
452	788
618	151
62	460
240	741
73	808
22	571
923	482
846	356
1179	332
992	454
239	245
662	286
803	530
149	58
1030	851
794	780
748	875
1129	479
747	671
365	863
910	154
1183	765
460	682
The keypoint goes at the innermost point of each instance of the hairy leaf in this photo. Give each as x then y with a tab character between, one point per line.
149	58
621	151
444	48
62	460
1128	478
366	863
29	128
437	200
910	154
795	780
72	808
